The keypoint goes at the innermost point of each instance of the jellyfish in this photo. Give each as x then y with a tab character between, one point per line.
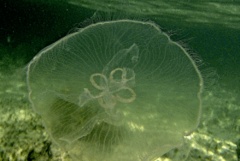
113	84
116	90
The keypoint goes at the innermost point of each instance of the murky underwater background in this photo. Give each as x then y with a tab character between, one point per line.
211	30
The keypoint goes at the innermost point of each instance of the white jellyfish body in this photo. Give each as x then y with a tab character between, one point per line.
116	90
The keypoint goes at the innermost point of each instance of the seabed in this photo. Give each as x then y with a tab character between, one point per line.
22	136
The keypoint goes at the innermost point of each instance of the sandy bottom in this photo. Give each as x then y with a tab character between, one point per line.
22	136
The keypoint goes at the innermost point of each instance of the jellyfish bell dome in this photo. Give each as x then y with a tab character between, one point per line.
116	90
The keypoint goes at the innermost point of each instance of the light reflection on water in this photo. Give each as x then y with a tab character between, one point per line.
218	13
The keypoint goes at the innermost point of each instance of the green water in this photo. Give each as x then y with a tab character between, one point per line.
209	30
